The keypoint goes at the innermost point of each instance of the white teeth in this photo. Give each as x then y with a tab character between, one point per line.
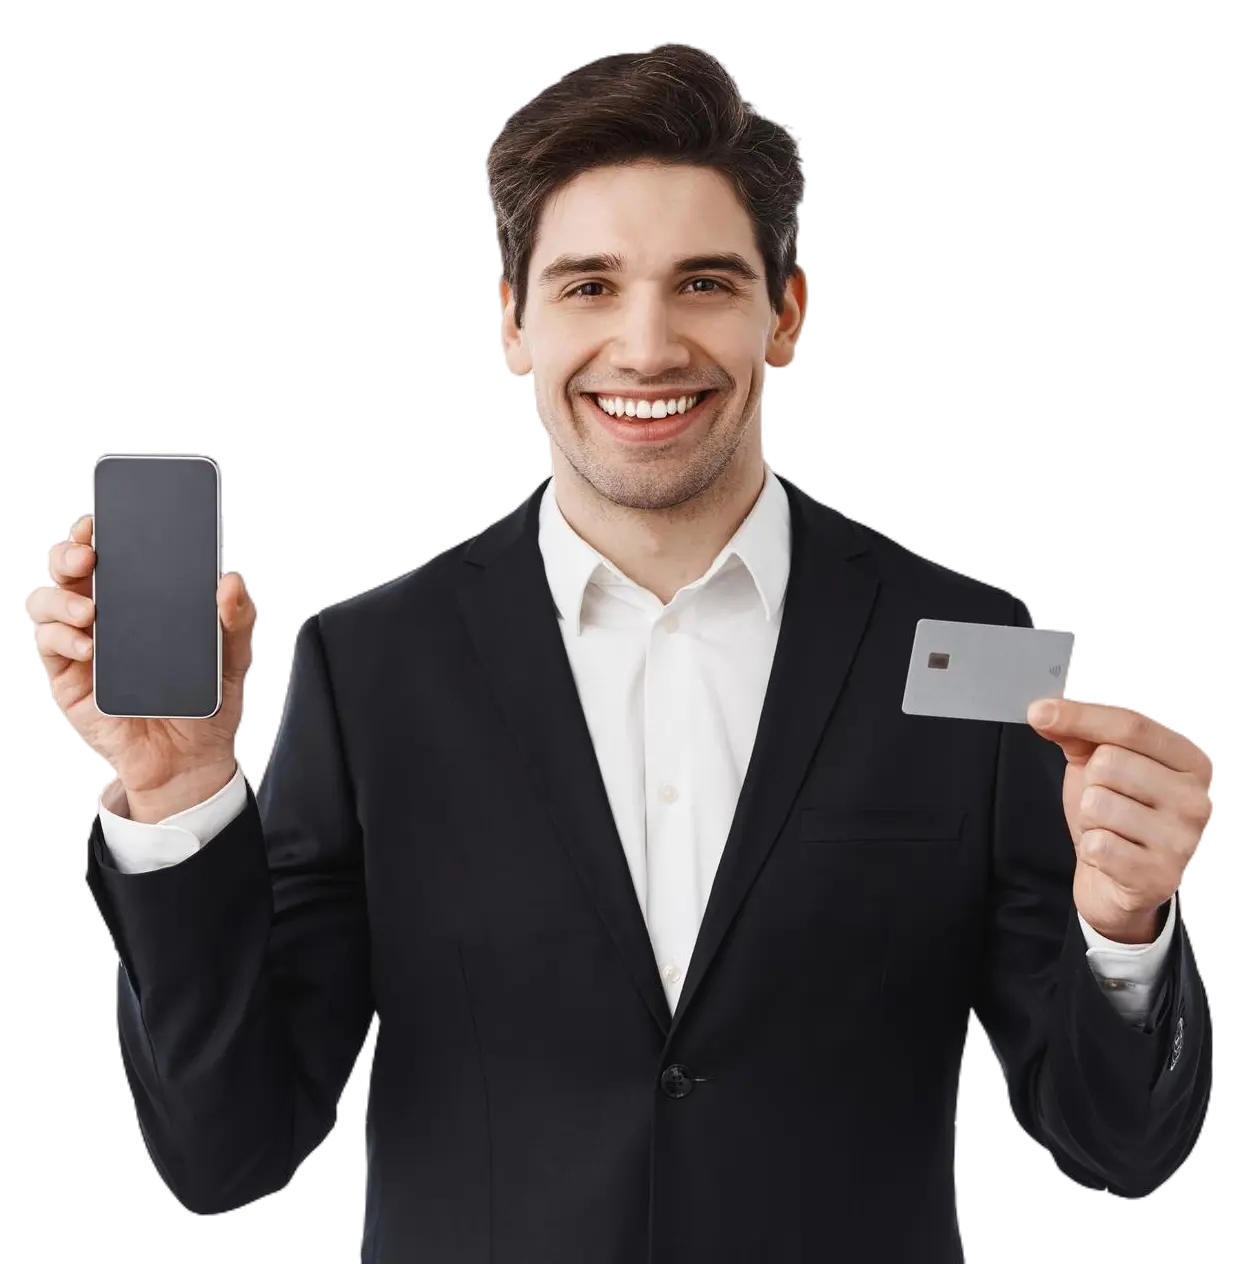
616	406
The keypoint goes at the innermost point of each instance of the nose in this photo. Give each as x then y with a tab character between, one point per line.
648	343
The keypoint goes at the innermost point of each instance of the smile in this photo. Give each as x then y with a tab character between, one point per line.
631	407
634	429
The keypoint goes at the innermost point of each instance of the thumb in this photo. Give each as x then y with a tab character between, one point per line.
1076	750
237	613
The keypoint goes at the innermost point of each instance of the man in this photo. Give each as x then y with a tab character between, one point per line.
672	918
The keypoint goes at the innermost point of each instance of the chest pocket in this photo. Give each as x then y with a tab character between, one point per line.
889	827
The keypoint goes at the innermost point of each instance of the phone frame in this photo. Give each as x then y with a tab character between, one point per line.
218	518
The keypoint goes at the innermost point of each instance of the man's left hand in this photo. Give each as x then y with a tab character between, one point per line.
1135	795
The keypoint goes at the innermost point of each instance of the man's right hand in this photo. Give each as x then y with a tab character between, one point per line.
164	765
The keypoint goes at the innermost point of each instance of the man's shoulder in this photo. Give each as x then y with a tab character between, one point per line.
422	590
927	579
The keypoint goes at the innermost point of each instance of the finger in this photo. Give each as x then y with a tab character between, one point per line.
70	562
1120	726
237	610
1137	870
68	680
1107	809
59	605
233	600
61	641
1146	780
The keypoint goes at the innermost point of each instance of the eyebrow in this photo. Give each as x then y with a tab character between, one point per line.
726	261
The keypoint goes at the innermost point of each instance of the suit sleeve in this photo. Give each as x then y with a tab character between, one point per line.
140	846
1118	1106
244	990
1131	973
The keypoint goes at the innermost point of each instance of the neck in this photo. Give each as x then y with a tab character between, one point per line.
662	550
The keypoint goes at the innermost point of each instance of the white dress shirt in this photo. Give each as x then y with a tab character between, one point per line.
672	696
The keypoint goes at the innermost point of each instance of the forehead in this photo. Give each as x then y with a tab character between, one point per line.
648	213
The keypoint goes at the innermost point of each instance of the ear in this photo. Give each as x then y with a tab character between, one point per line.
514	349
781	345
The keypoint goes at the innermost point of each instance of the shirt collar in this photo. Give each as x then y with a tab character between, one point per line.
760	548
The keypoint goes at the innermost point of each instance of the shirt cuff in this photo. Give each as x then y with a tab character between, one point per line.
138	846
1129	974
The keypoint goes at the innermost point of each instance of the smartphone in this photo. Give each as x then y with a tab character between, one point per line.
158	534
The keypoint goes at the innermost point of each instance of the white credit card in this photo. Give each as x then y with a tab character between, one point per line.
984	671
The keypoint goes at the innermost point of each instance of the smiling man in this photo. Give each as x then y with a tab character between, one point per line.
673	919
648	326
647	297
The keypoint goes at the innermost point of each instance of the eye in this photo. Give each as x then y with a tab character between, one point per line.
707	281
576	292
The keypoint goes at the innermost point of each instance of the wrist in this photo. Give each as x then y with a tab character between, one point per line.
180	793
1141	928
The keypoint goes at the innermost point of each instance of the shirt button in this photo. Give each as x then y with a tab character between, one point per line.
670	623
671	974
668	794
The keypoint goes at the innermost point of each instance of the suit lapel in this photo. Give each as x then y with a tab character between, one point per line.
826	607
507	606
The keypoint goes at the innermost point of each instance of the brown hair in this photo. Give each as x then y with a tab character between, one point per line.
675	104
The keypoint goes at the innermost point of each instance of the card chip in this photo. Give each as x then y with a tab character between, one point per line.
938	660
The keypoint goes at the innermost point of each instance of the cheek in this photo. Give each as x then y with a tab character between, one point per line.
744	371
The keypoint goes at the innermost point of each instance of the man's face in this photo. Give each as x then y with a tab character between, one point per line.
649	328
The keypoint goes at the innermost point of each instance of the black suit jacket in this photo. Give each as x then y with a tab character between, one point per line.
431	841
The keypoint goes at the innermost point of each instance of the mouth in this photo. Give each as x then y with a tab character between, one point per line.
652	429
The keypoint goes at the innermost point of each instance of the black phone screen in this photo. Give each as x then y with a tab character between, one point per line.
158	647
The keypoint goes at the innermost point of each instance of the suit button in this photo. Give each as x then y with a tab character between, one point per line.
676	1081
